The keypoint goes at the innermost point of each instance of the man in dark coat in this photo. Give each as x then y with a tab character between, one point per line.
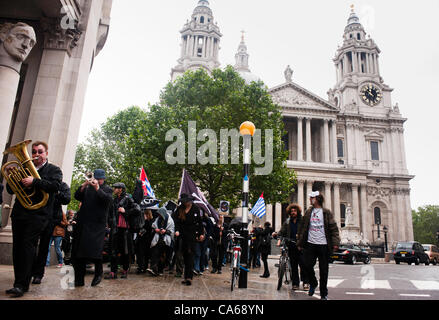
89	233
27	224
318	236
121	237
265	246
62	197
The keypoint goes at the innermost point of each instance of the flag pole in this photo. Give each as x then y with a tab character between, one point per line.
181	183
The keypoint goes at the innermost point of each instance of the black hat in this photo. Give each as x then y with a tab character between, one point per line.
185	198
99	174
119	185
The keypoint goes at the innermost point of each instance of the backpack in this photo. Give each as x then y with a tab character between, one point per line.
266	240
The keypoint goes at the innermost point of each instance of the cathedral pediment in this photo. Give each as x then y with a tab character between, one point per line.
374	135
292	95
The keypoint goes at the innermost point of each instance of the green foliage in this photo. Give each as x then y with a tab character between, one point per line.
426	223
135	138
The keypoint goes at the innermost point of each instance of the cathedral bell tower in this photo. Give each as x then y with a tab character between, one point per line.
359	83
200	40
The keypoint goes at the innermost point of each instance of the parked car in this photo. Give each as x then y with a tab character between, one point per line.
432	251
350	253
410	251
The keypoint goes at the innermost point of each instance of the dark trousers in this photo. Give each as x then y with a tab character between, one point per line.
312	252
39	263
188	256
143	252
296	260
157	259
25	235
177	258
264	257
120	251
80	267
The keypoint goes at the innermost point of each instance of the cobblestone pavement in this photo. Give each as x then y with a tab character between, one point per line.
55	286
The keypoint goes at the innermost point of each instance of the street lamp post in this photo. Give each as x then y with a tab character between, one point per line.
247	130
385	237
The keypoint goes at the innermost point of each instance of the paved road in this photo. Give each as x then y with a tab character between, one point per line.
346	282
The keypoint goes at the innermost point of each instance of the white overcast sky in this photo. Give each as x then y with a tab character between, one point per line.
144	44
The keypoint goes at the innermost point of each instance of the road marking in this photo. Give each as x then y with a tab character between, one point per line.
415	295
332	283
375	284
425	285
361	293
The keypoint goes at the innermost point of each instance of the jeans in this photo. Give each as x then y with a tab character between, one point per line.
57	241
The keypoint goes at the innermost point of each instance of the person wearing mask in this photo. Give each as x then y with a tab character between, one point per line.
121	238
289	230
189	227
91	226
265	246
161	243
318	236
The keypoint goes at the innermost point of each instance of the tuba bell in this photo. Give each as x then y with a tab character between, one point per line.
24	168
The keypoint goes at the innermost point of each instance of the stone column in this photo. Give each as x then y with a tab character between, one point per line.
390	149
337	213
355	61
308	140
300	139
402	149
269	213
410	236
326	140
309	184
334	141
349	144
300	199
355	204
18	41
364	221
278	213
328	198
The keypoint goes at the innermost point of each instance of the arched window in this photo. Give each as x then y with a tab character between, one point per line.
377	215
202	20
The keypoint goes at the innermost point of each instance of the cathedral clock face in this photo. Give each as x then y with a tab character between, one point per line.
371	94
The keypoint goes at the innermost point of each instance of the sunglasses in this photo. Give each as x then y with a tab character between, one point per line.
39	151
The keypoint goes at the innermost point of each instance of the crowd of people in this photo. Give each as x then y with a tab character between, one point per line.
124	230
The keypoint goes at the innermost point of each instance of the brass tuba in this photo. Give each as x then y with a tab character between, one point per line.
24	168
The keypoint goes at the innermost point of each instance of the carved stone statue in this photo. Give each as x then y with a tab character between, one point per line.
349	216
288	74
16	42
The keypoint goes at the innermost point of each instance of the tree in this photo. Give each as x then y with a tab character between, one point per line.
220	101
135	137
107	148
426	224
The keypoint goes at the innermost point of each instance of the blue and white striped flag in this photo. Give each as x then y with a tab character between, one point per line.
258	209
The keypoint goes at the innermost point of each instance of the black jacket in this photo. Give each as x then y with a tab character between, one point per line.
62	197
89	232
51	178
266	232
1	193
191	227
132	213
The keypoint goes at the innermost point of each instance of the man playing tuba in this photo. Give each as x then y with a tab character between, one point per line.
27	224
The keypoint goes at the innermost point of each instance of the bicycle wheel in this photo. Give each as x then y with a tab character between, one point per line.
280	273
233	279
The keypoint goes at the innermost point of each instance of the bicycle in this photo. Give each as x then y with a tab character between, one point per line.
235	263
284	266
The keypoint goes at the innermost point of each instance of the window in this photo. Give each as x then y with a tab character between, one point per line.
374	150
377	215
340	152
202	20
358	36
342	214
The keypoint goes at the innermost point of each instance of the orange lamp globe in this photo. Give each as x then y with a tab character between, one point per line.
247	128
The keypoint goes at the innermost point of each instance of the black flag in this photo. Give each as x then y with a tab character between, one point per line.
188	186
